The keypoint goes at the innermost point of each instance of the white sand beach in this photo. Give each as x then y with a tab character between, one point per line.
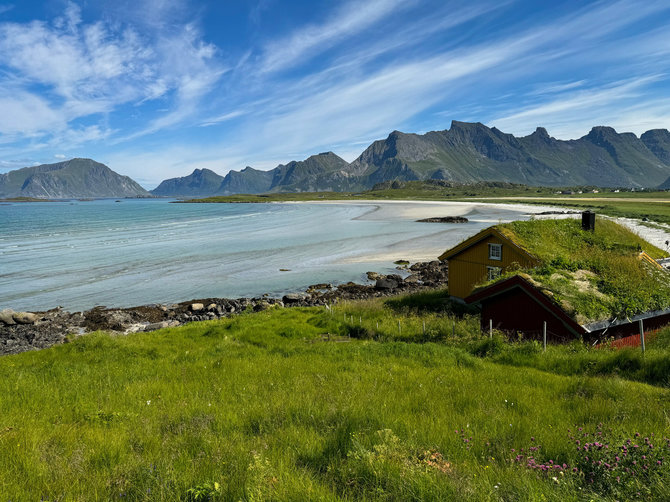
480	215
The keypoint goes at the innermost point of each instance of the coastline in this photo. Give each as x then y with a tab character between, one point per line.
480	211
51	327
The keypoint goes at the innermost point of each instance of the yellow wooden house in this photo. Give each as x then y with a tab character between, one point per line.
484	256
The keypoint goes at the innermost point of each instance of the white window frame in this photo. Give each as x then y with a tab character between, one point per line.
495	251
493	273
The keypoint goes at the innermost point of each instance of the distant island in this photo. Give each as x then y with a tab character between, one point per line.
75	178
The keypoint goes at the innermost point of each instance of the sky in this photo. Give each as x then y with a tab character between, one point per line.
157	88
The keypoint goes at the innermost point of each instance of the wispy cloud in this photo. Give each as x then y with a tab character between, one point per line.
69	70
561	113
309	41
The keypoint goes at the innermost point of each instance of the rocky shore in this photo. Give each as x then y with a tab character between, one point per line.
22	331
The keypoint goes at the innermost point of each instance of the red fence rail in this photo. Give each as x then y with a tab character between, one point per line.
632	341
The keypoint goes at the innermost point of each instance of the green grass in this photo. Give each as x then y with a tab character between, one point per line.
593	276
310	404
626	206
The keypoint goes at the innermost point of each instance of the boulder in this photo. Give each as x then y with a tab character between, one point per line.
374	276
7	316
211	307
156	325
290	298
260	306
25	317
386	283
197	307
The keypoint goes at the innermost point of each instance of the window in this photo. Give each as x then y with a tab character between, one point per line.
492	273
495	251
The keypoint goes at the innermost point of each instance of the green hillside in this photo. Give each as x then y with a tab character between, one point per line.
283	405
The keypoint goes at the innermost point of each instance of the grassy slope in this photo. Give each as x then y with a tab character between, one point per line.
265	408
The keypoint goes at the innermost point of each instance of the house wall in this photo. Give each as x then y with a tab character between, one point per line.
514	311
469	267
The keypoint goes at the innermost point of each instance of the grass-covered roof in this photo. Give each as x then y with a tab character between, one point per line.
593	276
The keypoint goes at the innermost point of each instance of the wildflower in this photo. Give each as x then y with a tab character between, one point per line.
148	402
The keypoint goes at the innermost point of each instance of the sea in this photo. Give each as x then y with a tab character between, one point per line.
127	252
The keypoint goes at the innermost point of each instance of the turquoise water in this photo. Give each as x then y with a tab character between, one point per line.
81	254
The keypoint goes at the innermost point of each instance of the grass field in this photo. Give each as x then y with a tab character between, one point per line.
403	400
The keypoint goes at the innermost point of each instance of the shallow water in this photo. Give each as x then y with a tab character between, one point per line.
81	254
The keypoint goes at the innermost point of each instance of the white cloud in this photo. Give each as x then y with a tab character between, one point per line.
309	41
87	69
562	114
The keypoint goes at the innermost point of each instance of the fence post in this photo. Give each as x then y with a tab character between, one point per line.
490	328
453	329
424	327
360	320
399	330
642	334
544	335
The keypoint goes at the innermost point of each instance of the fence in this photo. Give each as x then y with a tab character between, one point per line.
632	341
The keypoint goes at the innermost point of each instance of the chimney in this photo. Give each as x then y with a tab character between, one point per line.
588	221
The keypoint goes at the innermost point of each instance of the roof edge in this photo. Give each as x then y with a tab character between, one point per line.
516	281
479	236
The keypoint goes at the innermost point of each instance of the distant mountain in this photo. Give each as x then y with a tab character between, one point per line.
248	180
665	185
200	182
318	173
473	152
658	141
469	153
70	179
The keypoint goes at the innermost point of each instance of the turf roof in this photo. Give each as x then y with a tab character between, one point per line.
593	276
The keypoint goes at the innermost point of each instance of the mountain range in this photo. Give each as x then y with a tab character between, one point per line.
465	153
69	179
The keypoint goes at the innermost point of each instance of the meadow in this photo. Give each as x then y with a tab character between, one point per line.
402	399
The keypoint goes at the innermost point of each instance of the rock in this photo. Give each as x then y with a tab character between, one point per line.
260	306
25	317
293	298
320	286
156	325
211	307
411	279
386	283
374	276
445	219
7	316
197	307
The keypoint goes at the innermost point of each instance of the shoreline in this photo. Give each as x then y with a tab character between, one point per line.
51	327
24	331
426	209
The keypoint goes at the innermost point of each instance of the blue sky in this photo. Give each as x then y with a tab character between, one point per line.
156	88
